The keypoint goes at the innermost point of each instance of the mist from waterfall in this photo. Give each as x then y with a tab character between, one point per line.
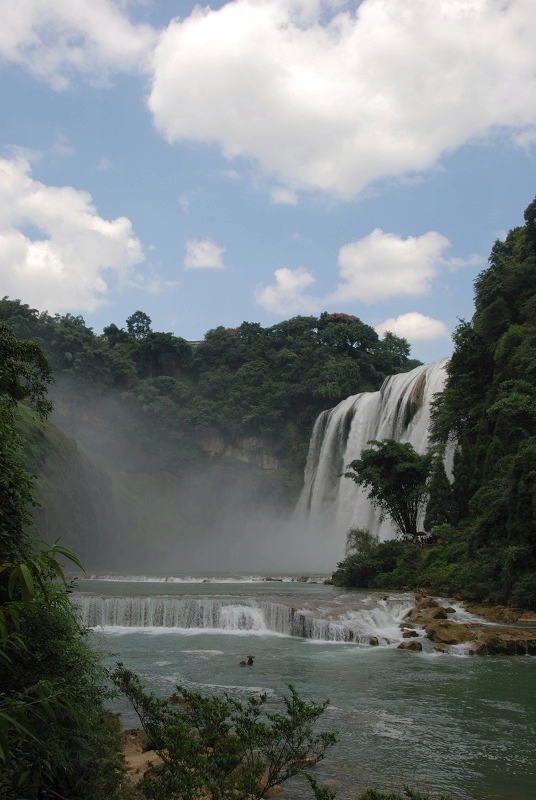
329	505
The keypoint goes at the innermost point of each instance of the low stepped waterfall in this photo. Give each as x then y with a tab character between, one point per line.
400	410
244	616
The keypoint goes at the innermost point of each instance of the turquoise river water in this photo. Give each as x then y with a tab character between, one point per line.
435	722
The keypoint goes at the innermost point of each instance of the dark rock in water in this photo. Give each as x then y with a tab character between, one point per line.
437	613
450	610
413	645
441	648
409	634
425	601
373	640
504	642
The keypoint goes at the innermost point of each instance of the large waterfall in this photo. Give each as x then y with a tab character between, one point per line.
399	410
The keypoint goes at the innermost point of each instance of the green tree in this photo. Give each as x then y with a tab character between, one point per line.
139	325
52	736
395	477
221	748
488	408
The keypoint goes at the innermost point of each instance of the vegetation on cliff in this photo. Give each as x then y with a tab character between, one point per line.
488	410
54	739
166	393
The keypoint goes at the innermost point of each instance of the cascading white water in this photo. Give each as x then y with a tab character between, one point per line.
251	616
399	410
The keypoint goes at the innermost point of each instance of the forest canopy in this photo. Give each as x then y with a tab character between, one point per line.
245	381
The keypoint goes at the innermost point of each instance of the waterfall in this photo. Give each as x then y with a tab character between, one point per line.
399	410
245	616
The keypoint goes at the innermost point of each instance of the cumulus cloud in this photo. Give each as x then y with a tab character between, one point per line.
414	327
54	39
203	254
287	296
331	96
377	267
279	195
384	265
55	250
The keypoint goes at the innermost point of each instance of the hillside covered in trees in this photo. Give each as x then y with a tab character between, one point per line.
487	544
184	438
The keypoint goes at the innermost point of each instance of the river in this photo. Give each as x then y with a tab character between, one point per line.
435	722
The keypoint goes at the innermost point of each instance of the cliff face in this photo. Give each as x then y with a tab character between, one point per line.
75	501
246	449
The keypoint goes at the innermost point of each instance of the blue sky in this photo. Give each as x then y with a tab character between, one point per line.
258	159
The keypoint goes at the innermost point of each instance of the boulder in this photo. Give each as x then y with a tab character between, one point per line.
504	642
408	634
446	632
373	640
413	645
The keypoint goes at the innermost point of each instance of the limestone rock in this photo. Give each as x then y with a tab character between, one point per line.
446	632
412	645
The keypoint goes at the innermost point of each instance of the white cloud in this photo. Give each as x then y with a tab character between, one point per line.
104	164
333	99
383	265
56	252
62	146
54	39
203	254
184	202
414	327
286	296
456	263
230	174
377	267
279	195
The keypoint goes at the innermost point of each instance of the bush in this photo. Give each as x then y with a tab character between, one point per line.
524	591
220	748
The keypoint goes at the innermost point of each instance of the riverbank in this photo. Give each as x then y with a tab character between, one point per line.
514	631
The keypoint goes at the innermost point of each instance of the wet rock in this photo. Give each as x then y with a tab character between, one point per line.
425	601
373	640
504	642
528	618
441	648
446	632
413	645
409	634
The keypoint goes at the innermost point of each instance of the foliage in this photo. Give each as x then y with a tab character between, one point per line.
219	747
54	741
245	381
489	409
484	522
396	479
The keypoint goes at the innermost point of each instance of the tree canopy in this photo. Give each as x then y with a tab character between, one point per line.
395	477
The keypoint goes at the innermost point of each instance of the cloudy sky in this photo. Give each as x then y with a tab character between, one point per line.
258	159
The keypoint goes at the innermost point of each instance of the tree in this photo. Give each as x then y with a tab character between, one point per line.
222	749
396	479
139	325
52	684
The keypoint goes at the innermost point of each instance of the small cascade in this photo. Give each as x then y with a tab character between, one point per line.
399	410
246	616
